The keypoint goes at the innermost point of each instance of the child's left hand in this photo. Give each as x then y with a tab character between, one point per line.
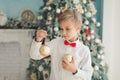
70	66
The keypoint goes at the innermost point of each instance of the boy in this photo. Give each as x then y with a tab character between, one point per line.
80	66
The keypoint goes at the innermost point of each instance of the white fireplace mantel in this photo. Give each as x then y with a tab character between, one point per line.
14	53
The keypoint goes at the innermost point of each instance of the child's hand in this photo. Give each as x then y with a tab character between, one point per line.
40	34
70	66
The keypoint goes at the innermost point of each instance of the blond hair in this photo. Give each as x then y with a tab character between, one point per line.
73	14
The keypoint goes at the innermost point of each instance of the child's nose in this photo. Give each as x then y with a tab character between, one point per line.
63	32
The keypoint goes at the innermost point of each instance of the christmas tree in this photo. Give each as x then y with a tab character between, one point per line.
47	19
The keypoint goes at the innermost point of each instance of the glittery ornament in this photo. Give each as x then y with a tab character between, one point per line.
40	68
67	57
40	18
88	38
76	1
96	68
92	36
84	1
88	14
98	24
49	8
94	20
56	29
57	10
44	50
86	22
97	40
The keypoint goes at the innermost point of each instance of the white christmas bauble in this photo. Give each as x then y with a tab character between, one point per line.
67	57
49	8
88	38
49	18
94	20
40	17
56	29
88	14
101	51
92	31
86	22
84	1
82	11
92	36
40	68
98	24
99	56
58	10
84	27
3	19
97	40
44	50
96	68
76	1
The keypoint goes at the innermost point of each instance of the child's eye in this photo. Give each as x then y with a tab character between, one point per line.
67	29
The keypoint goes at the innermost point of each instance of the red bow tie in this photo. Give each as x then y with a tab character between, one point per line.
68	43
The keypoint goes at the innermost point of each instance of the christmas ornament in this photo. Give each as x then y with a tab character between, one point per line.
67	57
98	24
92	31
92	36
94	20
3	19
33	76
88	31
84	1
88	38
76	1
57	10
40	17
86	22
49	8
101	51
92	8
96	67
49	18
97	40
99	56
88	14
79	8
56	29
44	50
41	68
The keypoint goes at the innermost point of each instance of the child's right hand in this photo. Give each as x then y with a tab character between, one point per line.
40	34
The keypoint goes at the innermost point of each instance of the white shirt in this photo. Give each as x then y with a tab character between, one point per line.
57	50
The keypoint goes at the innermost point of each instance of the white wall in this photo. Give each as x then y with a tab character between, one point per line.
111	38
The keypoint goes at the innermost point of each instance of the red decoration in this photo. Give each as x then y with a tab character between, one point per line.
88	31
59	14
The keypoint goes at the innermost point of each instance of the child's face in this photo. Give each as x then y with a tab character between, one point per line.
69	30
